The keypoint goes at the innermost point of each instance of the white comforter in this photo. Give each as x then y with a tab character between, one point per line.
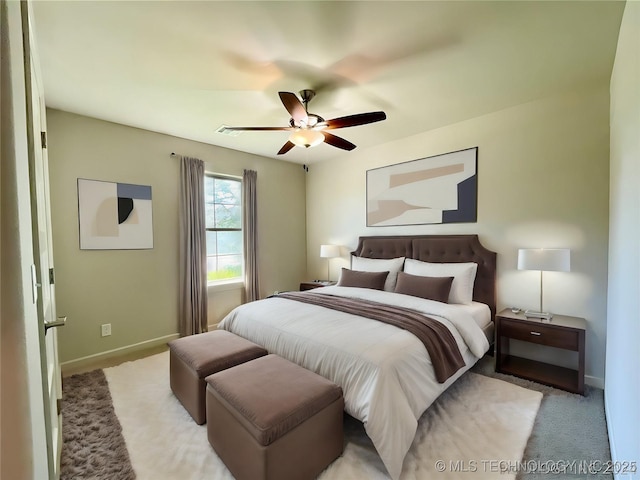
385	372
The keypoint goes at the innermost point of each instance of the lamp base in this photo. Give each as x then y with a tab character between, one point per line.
541	315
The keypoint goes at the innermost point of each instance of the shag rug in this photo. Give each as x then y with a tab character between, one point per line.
478	425
92	442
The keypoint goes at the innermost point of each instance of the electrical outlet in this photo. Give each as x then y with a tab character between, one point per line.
106	329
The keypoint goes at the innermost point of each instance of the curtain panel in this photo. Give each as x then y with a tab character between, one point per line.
193	249
250	235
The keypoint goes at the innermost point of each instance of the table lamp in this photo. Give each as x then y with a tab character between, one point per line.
543	260
329	252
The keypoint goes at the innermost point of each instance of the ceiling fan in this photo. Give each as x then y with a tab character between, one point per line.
308	129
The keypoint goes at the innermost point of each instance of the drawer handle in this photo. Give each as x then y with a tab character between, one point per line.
536	333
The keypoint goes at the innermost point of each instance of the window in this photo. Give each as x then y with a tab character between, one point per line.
223	207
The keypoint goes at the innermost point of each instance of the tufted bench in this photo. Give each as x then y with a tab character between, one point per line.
193	358
269	419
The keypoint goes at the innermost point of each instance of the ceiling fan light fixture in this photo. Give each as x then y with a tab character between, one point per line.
308	129
303	137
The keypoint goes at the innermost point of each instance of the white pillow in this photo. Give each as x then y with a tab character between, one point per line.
464	276
392	265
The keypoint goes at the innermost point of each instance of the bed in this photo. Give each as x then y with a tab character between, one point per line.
386	373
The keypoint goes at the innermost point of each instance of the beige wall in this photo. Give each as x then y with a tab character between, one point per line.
543	171
137	290
622	388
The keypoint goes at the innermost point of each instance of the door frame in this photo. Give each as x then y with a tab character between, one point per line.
24	456
42	274
45	451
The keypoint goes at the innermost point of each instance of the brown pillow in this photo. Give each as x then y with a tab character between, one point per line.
431	288
355	278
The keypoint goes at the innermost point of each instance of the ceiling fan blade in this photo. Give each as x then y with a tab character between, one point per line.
266	129
337	141
294	106
285	148
355	120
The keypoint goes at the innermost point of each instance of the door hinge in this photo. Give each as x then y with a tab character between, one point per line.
43	139
52	278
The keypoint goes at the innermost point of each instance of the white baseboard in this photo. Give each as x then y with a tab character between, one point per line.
81	362
612	444
615	459
597	382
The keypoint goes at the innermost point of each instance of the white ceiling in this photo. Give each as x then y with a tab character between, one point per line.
186	68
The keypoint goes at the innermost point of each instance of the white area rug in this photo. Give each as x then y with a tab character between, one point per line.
479	426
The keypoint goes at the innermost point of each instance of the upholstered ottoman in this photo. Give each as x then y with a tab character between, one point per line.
269	419
193	358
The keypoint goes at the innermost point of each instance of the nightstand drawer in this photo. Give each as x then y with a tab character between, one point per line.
543	334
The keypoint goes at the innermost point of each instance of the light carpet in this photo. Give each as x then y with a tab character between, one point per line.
480	426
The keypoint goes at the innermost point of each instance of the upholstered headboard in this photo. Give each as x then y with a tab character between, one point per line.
439	249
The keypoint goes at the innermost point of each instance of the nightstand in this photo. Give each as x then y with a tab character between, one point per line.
314	284
561	332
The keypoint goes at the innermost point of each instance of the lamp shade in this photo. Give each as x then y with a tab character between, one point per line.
544	259
304	137
329	251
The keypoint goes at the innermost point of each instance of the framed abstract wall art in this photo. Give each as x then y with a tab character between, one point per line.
114	216
438	189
